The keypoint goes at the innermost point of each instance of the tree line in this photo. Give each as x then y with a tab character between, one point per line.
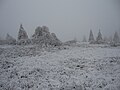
100	40
43	37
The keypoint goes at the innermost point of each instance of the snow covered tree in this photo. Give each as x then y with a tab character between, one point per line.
91	37
55	40
22	33
45	29
23	37
116	38
54	36
38	33
10	40
43	37
99	39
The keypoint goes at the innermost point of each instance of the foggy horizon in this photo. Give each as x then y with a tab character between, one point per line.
68	19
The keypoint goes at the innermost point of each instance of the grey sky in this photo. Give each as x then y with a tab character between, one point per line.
66	18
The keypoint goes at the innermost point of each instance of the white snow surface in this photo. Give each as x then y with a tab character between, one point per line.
80	67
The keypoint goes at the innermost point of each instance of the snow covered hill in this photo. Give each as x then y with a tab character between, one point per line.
81	67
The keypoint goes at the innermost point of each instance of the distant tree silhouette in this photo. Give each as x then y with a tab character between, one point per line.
23	37
99	38
116	38
91	37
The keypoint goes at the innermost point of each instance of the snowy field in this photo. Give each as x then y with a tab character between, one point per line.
81	67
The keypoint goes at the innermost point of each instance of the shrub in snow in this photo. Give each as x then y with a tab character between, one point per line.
100	83
72	87
7	64
91	37
18	51
112	87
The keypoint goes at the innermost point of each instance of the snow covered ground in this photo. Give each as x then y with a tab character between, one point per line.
81	67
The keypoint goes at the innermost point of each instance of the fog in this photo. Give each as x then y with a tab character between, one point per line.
67	18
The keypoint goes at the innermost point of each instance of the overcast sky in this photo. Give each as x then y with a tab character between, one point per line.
66	18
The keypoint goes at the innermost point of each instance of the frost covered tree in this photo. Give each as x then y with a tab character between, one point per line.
91	37
22	33
99	38
22	37
116	38
45	29
43	37
55	40
54	36
10	40
38	33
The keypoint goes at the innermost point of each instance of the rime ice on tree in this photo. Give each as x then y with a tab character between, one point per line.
22	33
43	37
91	37
22	37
